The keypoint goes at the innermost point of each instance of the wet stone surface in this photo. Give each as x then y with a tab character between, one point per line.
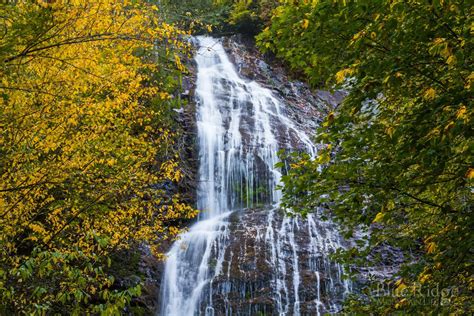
272	261
257	260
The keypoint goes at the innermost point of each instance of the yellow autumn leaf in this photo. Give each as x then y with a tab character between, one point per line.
379	217
449	126
461	113
438	40
430	94
400	286
305	24
37	228
470	173
341	74
424	277
164	95
358	35
329	119
469	80
431	247
401	303
451	60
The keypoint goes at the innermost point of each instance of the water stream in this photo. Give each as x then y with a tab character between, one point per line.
244	256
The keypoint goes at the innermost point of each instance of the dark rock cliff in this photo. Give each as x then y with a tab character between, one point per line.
247	283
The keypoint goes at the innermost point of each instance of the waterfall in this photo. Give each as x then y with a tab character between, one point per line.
279	264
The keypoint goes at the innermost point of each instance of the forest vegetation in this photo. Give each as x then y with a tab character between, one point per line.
86	148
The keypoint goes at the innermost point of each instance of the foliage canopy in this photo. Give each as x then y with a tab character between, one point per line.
85	149
399	157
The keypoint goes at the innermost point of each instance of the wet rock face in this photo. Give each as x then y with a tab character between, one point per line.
272	261
305	106
258	260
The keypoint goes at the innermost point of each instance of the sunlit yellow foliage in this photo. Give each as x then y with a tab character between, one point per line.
80	170
342	74
430	94
379	217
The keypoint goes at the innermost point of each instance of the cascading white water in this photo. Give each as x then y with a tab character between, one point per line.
241	126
